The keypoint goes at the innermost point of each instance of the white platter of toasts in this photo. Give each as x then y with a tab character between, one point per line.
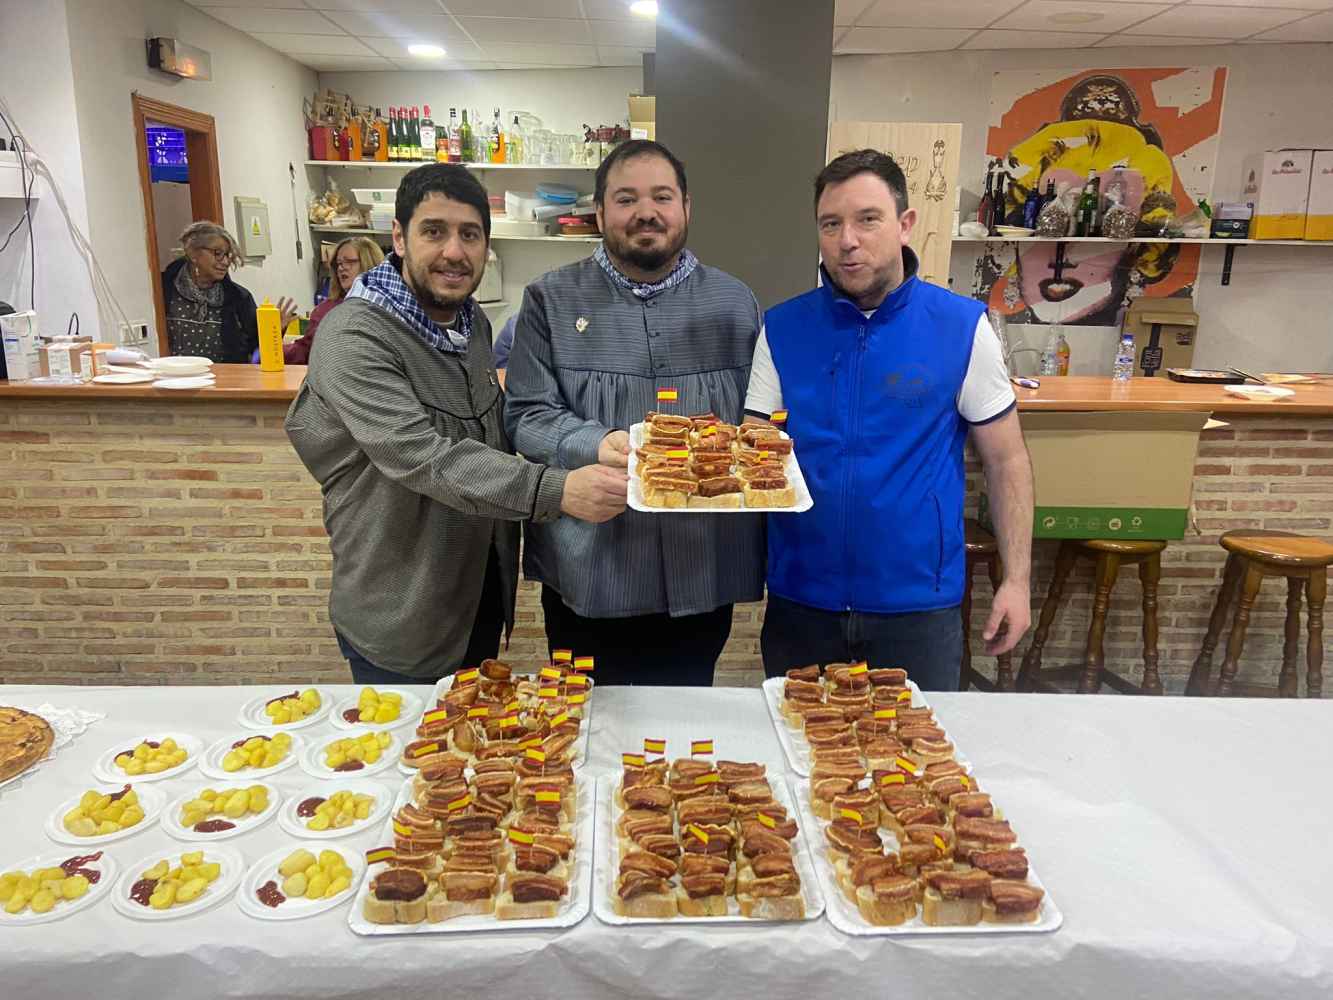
608	863
846	916
571	909
800	492
794	745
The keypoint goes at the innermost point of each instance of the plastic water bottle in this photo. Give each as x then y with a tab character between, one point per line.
1124	358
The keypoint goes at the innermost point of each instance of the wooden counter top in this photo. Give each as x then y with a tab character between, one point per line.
1084	393
234	383
1070	393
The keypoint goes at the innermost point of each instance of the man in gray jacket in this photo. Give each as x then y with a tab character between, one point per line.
401	420
649	595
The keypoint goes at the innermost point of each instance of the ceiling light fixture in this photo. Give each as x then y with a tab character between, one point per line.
1076	17
426	51
644	8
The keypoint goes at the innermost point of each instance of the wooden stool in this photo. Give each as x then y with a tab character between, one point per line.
981	548
1253	555
1110	554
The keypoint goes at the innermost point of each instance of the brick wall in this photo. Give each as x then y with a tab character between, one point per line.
181	542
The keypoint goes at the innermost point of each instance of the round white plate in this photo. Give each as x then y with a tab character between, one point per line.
408	715
105	864
1260	391
233	868
211	764
124	378
192	382
312	760
171	815
266	869
295	825
150	798
252	712
1014	231
105	769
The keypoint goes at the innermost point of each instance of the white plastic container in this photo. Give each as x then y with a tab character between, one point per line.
370	197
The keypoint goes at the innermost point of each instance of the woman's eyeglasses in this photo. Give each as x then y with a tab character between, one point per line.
339	265
219	253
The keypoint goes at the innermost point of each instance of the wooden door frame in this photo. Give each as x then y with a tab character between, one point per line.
201	150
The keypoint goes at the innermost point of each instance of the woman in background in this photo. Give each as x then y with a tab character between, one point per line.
208	314
351	257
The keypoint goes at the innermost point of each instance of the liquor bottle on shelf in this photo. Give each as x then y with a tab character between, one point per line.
414	134
1032	206
1088	213
987	199
497	140
395	134
454	153
480	138
997	206
465	147
515	143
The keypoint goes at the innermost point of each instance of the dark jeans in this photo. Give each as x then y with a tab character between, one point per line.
643	649
927	644
482	644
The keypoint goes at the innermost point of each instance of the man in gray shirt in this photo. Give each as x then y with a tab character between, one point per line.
650	595
401	421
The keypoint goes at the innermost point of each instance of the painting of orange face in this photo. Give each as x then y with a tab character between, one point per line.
1149	135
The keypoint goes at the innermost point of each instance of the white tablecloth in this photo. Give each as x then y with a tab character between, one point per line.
1186	841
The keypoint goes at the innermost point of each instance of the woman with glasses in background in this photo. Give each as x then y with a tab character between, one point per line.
208	314
351	257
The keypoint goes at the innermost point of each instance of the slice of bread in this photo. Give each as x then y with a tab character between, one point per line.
770	498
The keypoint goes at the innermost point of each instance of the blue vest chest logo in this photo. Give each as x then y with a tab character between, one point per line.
910	386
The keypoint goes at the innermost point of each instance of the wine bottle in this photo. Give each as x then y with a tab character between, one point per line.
465	146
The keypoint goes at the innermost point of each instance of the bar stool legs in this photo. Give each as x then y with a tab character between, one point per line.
1094	658
1226	595
1286	682
1110	555
1150	572
1031	667
1315	592
1254	576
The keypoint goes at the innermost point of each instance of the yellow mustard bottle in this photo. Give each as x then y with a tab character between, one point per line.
269	320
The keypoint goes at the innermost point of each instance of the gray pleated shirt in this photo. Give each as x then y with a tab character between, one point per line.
588	358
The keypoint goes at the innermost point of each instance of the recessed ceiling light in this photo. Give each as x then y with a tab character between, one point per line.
1076	17
426	51
644	8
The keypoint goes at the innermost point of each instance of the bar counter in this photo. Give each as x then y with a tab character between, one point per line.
151	536
1070	393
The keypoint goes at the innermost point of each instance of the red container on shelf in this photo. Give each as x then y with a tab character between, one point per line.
324	143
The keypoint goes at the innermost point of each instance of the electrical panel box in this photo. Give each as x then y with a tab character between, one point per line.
252	230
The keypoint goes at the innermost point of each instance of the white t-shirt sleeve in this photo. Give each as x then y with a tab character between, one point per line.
986	392
764	394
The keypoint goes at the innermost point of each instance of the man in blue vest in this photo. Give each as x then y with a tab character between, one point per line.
883	377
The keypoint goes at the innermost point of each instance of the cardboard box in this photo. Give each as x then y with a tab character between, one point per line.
1319	212
66	356
1277	183
19	333
1124	474
642	117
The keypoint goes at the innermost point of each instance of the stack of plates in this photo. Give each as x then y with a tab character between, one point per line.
381	218
183	372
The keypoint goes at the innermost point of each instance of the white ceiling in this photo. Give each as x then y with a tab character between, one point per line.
331	35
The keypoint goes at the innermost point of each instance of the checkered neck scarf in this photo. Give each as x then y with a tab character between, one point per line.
383	285
685	265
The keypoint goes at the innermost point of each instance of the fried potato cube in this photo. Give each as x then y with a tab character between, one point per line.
297	861
294	885
74	886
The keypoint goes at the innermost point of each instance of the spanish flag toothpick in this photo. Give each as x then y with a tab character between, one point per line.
698	747
667	395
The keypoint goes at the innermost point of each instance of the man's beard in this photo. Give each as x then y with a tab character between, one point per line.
418	278
882	282
646	258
